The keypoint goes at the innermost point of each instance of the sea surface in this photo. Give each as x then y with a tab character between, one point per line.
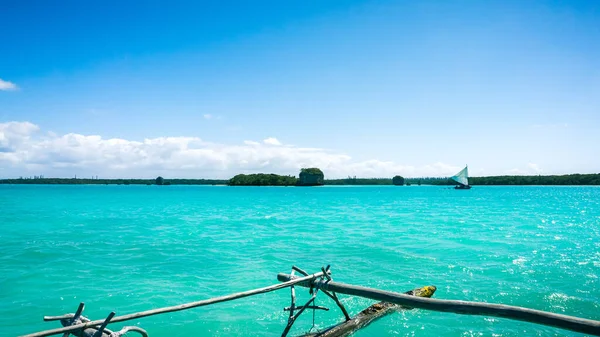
134	248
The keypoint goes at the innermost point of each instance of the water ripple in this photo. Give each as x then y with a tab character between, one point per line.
140	247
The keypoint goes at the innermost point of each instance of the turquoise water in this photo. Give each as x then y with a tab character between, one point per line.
133	248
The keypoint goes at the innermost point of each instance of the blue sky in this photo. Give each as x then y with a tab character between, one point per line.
367	88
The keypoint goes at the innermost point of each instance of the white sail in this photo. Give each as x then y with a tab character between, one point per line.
462	177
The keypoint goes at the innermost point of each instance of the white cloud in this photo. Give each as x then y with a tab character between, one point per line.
15	134
6	85
25	150
272	141
208	116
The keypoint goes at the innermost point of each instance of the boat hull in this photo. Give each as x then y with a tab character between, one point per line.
462	187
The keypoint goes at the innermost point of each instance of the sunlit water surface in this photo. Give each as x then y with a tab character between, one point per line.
134	248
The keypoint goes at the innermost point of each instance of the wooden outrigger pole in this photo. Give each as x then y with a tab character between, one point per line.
214	300
572	323
322	281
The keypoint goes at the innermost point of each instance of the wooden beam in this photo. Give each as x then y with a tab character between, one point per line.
178	307
315	307
334	297
369	315
572	323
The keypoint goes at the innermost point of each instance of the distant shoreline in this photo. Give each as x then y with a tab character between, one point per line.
549	180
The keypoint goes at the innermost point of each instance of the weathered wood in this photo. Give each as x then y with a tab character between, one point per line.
293	295
326	272
334	297
299	270
70	319
178	307
75	319
127	329
369	315
300	311
58	318
98	333
316	307
88	332
576	324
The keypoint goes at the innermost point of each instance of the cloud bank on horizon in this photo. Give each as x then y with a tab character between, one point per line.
26	150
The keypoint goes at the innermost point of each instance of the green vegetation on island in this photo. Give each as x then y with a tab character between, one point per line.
567	179
89	181
429	181
358	181
262	179
398	180
311	177
314	177
308	177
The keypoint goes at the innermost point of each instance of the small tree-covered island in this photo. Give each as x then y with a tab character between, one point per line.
308	177
262	179
311	177
398	180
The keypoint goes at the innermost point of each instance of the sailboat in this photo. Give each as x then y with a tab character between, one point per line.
462	178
